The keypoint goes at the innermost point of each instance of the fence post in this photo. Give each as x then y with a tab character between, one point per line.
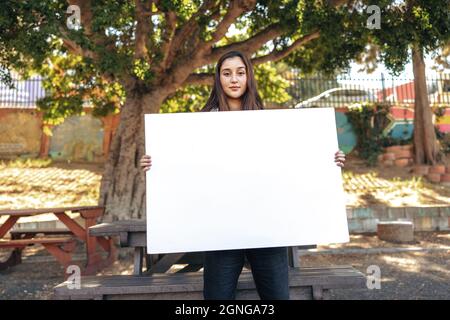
383	88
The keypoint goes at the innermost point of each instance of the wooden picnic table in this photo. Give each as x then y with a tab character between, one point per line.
133	233
62	247
156	283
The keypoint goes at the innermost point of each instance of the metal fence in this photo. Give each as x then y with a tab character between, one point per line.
24	93
343	90
305	92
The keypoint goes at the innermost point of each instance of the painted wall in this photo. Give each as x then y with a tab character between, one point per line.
86	138
400	126
20	133
78	138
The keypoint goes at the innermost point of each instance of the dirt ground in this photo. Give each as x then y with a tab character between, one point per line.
59	184
404	275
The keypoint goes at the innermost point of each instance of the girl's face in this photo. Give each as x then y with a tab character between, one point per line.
233	77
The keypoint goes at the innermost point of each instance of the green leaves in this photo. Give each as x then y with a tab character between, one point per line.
405	23
367	122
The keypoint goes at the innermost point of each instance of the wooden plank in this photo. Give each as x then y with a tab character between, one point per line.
190	268
39	231
192	258
92	213
137	239
25	242
114	228
32	212
187	283
164	263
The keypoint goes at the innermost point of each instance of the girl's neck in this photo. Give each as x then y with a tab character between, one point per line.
234	104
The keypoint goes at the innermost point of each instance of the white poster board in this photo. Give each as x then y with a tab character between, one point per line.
243	179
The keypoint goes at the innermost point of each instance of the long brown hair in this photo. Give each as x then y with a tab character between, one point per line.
250	99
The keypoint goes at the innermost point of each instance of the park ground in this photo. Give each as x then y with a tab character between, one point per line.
418	270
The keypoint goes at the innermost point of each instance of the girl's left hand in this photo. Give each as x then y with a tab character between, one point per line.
339	158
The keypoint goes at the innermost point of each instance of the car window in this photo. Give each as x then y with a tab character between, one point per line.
339	93
355	93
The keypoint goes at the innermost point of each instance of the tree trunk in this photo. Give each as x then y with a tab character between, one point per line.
425	143
122	188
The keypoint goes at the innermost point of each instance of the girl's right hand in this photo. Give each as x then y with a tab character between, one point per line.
146	162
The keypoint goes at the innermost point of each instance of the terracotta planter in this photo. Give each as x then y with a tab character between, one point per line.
438	168
393	149
401	163
445	177
403	154
421	169
388	163
389	156
448	169
380	158
434	177
408	147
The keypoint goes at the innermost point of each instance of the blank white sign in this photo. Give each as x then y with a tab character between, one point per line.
243	179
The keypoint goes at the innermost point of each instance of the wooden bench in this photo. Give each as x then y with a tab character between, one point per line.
30	233
89	214
15	256
133	233
305	284
60	247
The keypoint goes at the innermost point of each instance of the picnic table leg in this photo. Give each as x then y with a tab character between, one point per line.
92	216
138	258
94	259
63	254
8	224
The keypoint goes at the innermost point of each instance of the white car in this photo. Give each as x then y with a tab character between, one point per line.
337	97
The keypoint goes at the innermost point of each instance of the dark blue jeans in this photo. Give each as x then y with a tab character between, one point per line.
269	266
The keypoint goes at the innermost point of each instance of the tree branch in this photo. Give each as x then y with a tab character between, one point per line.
171	22
235	9
144	29
98	38
199	79
208	78
75	48
278	55
185	31
247	46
